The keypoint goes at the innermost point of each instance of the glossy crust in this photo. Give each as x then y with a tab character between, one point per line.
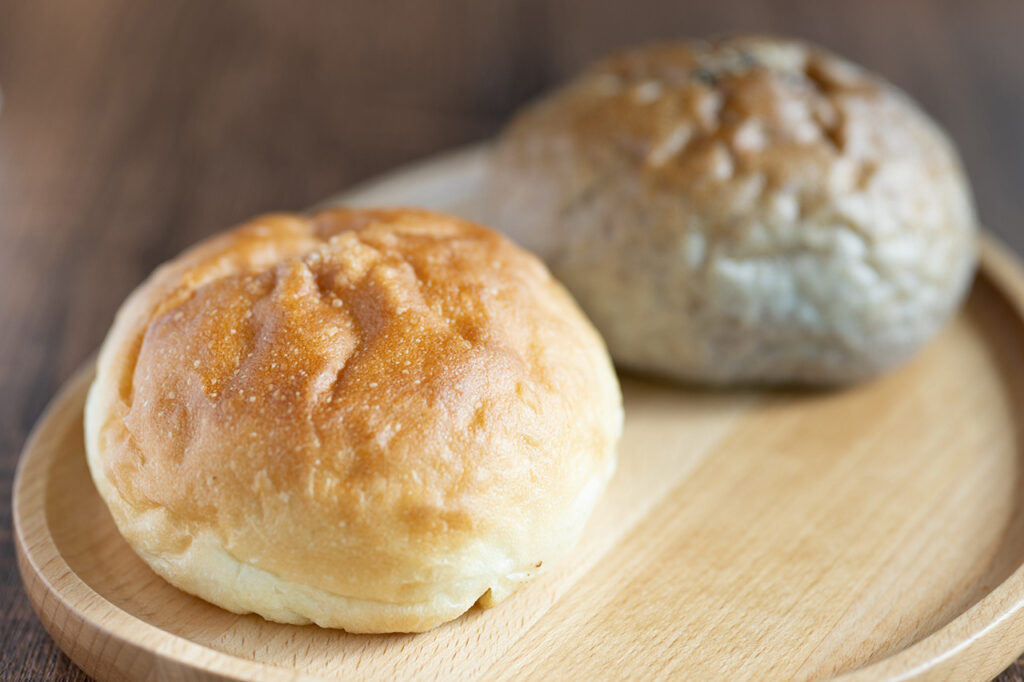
748	209
364	419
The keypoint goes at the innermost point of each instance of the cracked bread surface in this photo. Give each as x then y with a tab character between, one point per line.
366	419
741	210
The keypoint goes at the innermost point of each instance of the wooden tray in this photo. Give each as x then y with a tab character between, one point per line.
875	533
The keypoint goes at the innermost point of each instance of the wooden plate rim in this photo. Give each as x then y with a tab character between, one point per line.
989	625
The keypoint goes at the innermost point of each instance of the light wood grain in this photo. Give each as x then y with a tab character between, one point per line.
875	531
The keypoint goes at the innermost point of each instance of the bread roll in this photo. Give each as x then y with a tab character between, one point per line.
742	210
365	419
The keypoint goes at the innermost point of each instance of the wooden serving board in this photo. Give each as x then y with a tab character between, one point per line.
870	533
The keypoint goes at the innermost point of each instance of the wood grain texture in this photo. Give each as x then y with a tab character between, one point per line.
129	131
875	531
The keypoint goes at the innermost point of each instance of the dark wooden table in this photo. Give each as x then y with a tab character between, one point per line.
130	130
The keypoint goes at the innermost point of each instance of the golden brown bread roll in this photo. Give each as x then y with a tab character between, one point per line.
365	419
747	209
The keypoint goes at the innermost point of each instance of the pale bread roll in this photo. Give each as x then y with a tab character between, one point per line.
742	210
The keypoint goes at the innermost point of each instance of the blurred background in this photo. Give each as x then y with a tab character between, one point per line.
131	129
